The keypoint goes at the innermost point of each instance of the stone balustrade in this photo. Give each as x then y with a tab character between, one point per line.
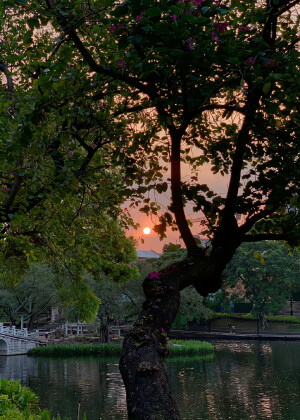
15	332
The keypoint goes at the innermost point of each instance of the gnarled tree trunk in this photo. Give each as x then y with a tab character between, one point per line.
142	364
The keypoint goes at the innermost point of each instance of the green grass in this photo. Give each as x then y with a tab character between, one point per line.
185	348
20	403
190	348
63	350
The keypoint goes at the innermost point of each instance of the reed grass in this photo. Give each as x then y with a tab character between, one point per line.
190	348
66	350
181	348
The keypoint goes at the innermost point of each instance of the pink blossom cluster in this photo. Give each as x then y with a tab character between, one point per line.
220	27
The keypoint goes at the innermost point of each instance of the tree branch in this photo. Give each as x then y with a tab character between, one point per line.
121	76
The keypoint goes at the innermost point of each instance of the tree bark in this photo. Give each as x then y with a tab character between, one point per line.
142	364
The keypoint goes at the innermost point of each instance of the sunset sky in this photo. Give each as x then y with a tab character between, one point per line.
152	242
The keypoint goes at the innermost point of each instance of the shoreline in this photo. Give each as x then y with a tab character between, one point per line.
197	335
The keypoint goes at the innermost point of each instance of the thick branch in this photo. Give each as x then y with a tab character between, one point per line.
14	189
9	81
283	7
116	75
177	198
252	220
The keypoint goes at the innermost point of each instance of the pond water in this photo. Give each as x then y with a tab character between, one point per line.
244	380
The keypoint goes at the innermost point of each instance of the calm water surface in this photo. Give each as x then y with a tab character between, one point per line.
244	380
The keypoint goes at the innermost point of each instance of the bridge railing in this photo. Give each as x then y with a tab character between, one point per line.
15	332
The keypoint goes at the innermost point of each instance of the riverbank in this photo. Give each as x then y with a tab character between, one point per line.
217	335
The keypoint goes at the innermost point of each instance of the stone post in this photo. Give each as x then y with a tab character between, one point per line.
1	327
13	330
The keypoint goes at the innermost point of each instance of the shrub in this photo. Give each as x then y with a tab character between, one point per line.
20	403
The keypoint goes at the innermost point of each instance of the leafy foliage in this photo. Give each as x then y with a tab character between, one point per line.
268	273
33	295
20	403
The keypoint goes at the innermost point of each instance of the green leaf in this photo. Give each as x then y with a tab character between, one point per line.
205	9
35	84
176	10
267	87
161	28
153	12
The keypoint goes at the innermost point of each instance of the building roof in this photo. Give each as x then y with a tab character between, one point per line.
147	254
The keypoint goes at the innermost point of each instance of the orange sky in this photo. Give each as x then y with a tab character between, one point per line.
217	183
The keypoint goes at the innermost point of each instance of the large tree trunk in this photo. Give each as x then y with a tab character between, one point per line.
142	364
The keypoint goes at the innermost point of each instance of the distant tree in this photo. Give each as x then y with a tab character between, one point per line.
35	294
266	272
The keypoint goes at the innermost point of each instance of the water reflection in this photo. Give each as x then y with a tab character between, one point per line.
244	381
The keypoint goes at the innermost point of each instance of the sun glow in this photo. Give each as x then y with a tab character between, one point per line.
146	230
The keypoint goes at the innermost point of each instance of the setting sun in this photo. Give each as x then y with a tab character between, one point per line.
146	230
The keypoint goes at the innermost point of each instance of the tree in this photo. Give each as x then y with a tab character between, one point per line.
220	79
61	189
35	294
268	272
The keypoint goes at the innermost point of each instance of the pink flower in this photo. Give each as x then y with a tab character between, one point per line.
51	3
197	2
172	288
96	205
154	275
70	154
215	37
122	26
93	146
162	330
174	17
244	28
53	212
112	28
78	185
32	240
139	17
250	61
191	45
122	64
4	189
221	27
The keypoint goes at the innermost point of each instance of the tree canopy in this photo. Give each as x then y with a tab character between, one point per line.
99	95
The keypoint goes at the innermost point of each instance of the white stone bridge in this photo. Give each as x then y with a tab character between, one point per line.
17	341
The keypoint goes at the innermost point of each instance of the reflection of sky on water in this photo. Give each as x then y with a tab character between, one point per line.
245	380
